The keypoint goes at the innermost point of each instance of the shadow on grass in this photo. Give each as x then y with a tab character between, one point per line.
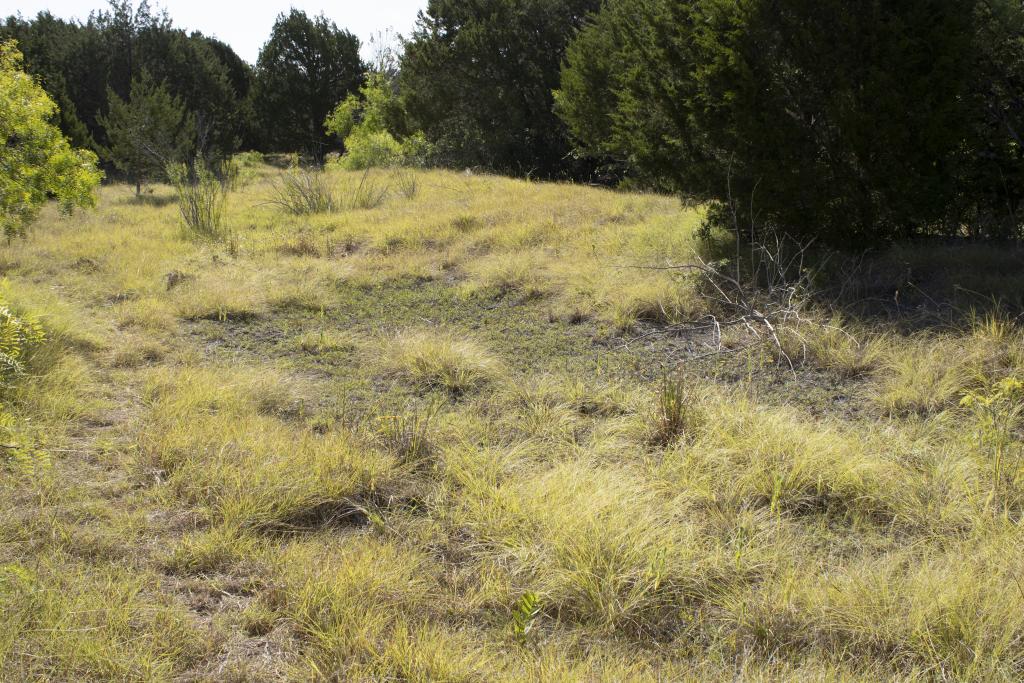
914	284
926	283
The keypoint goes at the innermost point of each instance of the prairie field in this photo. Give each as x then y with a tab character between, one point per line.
457	427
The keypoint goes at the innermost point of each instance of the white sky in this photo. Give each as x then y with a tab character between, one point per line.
246	25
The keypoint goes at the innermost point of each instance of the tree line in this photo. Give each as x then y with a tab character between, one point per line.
850	121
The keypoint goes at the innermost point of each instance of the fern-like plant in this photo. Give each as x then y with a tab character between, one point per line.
524	616
18	336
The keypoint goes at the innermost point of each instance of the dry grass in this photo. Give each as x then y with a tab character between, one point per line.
357	445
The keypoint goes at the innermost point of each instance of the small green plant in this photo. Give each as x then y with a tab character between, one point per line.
201	199
997	411
304	191
19	335
524	616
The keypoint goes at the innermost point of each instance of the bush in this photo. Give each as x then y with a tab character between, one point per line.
201	199
367	149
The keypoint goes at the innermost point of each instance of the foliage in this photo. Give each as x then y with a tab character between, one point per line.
36	161
78	63
305	68
851	123
149	132
369	123
477	77
365	149
201	199
19	335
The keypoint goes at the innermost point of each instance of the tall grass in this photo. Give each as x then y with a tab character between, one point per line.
302	192
202	198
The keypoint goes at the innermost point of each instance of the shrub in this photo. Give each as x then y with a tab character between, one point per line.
370	149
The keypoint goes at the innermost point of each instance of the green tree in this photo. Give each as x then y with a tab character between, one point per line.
36	161
148	132
305	68
847	121
477	78
78	63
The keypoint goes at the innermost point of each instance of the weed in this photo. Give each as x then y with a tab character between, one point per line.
524	615
678	413
406	183
367	193
302	192
997	411
201	200
407	435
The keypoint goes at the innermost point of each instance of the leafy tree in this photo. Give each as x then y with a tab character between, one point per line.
36	161
149	132
848	121
303	71
477	78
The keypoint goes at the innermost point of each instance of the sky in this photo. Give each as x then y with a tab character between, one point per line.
246	25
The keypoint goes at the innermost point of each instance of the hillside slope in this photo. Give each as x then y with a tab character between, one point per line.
450	437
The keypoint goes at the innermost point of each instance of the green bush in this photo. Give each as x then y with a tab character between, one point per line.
371	149
851	122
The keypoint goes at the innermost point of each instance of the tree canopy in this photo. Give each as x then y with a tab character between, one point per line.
847	121
477	78
148	132
304	70
79	64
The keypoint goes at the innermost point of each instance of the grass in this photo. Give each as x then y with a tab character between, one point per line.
431	436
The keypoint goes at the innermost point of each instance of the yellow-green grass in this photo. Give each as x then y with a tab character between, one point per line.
353	445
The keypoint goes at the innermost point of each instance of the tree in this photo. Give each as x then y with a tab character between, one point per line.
36	161
477	78
149	132
848	121
78	63
303	71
